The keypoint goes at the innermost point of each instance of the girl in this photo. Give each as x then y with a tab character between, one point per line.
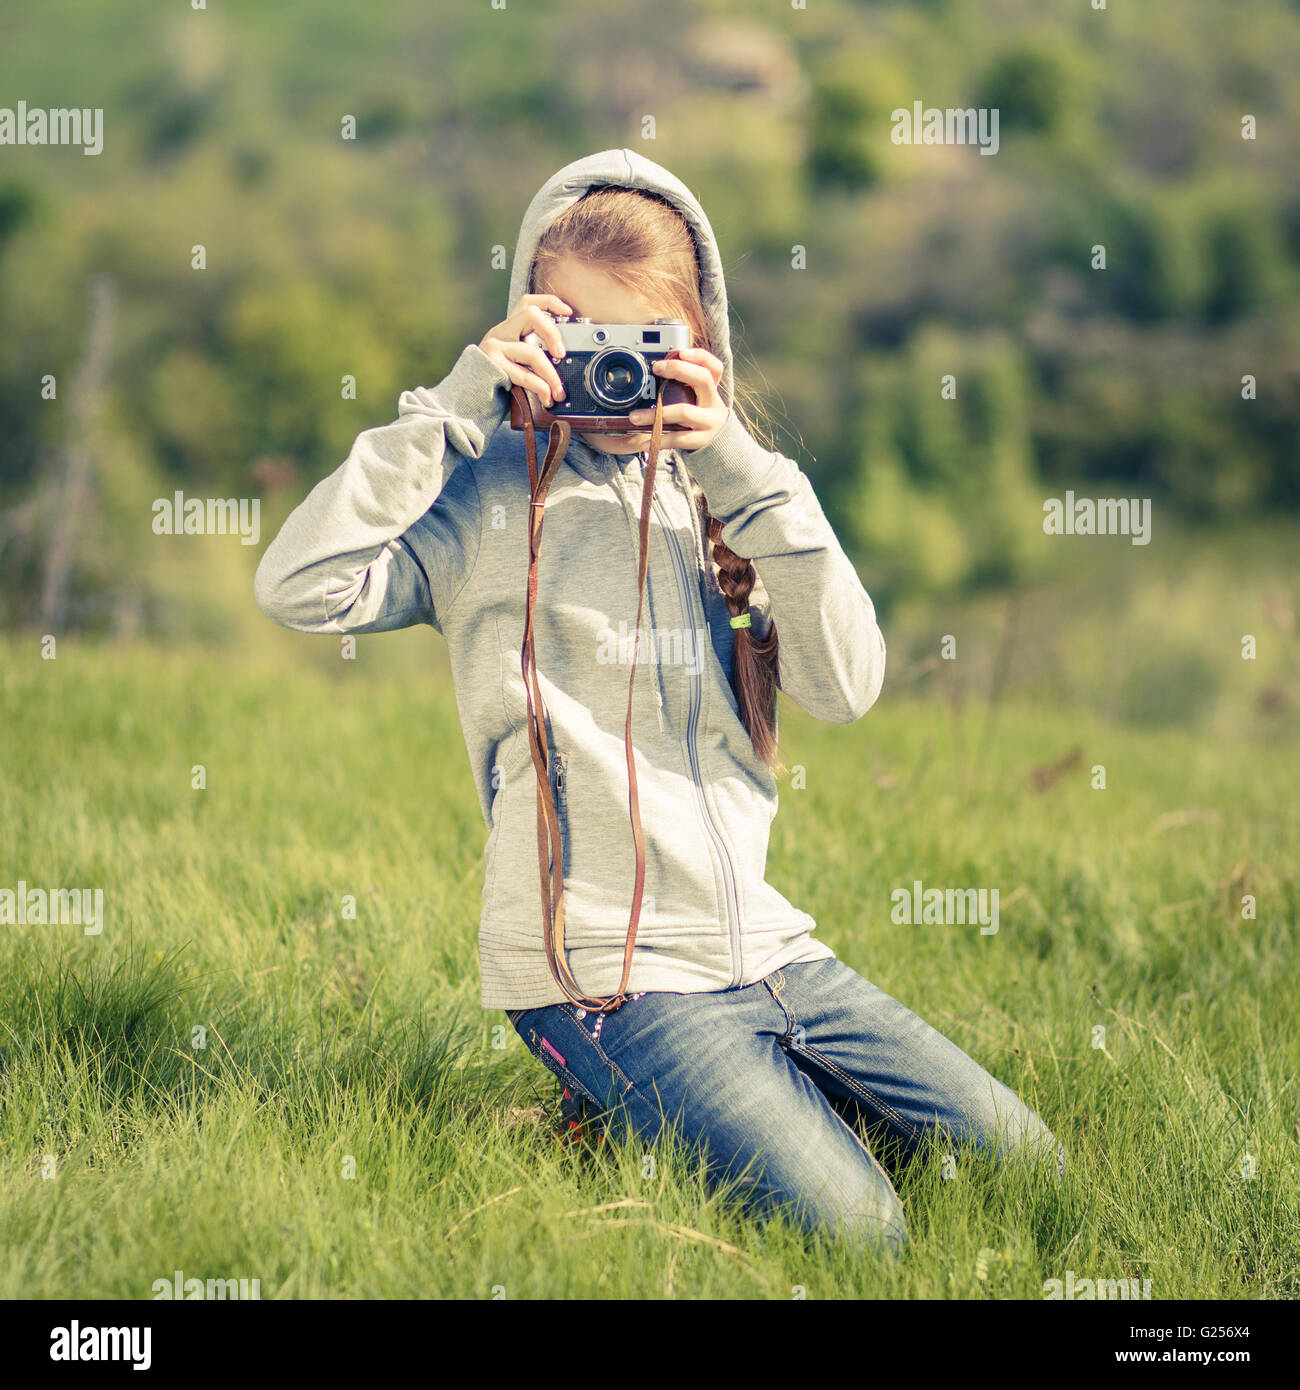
684	988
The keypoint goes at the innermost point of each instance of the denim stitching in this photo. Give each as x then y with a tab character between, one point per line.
566	1075
776	994
857	1138
569	1012
794	1017
883	1106
875	1163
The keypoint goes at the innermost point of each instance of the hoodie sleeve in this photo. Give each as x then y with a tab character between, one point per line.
391	536
832	653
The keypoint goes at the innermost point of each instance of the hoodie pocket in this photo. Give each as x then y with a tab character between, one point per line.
509	800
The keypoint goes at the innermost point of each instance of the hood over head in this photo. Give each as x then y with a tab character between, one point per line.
627	169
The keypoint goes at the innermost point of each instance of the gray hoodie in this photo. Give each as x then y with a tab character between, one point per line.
426	522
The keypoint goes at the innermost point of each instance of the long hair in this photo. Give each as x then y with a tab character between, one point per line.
642	241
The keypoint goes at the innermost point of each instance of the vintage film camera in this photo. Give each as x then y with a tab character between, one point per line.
606	374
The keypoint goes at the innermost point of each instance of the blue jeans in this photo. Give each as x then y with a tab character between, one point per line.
757	1078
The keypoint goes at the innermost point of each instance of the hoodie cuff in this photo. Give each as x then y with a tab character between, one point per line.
734	470
476	392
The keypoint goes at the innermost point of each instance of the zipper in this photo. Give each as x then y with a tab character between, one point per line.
631	511
561	808
692	728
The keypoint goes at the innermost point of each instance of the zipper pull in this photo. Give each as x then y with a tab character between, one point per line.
559	774
659	704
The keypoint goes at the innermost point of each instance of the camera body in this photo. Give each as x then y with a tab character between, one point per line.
606	374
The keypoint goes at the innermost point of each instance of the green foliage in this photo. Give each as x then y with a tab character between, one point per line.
946	494
843	150
371	258
1030	88
17	203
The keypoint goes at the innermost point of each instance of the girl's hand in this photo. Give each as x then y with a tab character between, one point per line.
524	364
702	372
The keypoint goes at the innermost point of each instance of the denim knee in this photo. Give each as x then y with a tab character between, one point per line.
1032	1139
892	1233
878	1225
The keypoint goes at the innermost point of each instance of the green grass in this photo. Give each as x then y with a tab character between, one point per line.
329	1038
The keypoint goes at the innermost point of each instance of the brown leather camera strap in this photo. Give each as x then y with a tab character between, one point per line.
550	848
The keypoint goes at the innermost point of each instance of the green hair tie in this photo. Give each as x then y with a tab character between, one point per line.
741	620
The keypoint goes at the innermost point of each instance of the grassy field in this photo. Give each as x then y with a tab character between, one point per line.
336	1046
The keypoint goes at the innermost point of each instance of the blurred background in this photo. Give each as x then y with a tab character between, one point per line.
374	258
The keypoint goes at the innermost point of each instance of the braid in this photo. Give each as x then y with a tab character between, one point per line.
754	660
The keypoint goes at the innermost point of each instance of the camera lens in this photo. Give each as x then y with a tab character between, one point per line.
617	377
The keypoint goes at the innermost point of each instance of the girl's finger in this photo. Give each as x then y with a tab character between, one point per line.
692	374
530	381
552	302
534	319
697	416
529	356
705	357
